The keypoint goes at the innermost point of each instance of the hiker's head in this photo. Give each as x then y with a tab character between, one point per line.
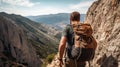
74	17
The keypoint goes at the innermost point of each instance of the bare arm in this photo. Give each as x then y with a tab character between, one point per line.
62	46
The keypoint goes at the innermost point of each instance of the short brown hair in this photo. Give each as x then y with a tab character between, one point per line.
75	16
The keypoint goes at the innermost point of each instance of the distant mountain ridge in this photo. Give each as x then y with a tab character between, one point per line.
57	20
51	18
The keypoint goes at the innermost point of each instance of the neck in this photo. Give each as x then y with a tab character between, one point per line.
75	22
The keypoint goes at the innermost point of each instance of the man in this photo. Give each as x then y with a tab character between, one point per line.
67	39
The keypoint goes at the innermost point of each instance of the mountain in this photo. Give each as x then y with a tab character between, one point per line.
104	16
56	20
15	50
43	39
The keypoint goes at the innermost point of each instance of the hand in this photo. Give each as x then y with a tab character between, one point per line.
61	62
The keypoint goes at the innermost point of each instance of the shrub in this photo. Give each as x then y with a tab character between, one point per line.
50	57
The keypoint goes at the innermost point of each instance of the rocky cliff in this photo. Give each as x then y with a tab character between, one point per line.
15	50
104	16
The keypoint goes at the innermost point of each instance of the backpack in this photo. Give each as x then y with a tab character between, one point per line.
83	37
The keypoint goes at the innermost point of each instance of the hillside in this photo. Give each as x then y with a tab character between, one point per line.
15	50
57	20
42	38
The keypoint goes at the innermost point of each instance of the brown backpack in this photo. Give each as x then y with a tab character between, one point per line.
83	37
83	29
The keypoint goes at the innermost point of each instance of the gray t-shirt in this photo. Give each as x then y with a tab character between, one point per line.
68	32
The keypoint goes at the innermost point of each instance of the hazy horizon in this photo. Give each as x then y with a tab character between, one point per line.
44	7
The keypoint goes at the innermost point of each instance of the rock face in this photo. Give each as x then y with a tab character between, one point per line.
104	16
14	47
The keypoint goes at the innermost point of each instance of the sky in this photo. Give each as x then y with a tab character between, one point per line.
44	7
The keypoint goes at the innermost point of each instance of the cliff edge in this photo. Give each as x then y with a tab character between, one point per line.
104	16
